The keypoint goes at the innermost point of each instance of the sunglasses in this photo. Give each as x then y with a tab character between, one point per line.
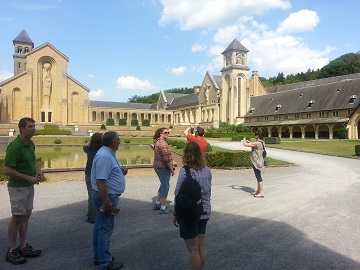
166	132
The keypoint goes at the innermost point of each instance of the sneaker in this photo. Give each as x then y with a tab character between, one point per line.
29	251
97	263
165	211
157	206
115	265
15	257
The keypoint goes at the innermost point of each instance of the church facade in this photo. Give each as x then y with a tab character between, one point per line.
42	89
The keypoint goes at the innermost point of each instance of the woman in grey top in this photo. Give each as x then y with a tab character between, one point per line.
257	161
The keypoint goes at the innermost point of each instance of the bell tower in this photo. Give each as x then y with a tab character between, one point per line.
22	45
235	96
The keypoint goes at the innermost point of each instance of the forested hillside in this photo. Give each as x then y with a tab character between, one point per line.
344	65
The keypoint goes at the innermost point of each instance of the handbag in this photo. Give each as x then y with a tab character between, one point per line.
266	163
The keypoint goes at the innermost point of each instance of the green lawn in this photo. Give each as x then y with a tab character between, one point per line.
342	148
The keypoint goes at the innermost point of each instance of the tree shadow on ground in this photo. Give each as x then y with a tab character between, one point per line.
143	239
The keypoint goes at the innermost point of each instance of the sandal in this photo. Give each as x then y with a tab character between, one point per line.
259	195
254	193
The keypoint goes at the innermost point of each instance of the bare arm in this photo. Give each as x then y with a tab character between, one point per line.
9	171
186	131
248	143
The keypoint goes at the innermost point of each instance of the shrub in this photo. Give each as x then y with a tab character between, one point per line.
342	133
126	140
110	122
180	144
272	140
208	148
135	122
357	150
171	127
122	122
86	140
145	123
138	127
103	127
57	141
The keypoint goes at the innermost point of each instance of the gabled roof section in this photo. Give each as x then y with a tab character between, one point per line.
78	83
23	38
13	78
235	45
47	44
184	101
169	97
120	105
215	80
324	97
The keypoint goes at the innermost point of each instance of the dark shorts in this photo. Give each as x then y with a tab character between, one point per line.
191	230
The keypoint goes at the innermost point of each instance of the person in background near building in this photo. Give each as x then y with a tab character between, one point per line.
20	167
198	138
108	183
257	161
91	148
164	167
194	233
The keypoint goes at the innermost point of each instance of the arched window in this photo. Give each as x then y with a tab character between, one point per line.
19	49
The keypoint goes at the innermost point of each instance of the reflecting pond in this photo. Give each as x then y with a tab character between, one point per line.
59	157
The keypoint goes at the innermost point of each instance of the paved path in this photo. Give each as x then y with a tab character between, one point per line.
309	219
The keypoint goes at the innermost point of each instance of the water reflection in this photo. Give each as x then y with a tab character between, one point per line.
59	157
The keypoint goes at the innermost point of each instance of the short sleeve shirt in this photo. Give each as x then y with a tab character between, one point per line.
20	157
106	167
199	140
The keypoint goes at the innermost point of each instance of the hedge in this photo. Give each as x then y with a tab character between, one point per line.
145	123
135	122
52	130
272	140
110	122
122	122
357	150
228	158
228	134
39	163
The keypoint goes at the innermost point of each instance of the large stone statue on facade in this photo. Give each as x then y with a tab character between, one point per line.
47	84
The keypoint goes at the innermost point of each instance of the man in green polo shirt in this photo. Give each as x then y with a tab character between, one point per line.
20	167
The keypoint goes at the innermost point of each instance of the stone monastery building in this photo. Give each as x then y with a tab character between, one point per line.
42	89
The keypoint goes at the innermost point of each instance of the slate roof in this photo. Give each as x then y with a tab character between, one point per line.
185	101
120	105
23	38
171	96
327	94
236	46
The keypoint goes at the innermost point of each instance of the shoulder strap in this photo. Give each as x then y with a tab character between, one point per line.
263	146
187	170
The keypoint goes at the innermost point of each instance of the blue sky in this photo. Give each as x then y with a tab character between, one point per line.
122	48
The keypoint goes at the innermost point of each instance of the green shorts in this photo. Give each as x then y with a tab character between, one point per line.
21	199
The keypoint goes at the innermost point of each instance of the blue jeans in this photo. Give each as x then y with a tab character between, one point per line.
103	229
164	177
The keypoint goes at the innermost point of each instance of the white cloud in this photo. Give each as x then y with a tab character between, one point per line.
302	21
129	83
178	71
96	94
91	76
190	14
4	75
197	47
